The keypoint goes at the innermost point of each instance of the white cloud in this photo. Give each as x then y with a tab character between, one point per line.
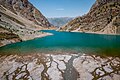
60	9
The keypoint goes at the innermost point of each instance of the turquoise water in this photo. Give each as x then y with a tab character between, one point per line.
67	42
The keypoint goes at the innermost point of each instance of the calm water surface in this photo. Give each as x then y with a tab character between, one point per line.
67	42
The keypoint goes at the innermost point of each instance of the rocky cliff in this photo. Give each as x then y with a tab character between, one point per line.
103	18
19	21
25	9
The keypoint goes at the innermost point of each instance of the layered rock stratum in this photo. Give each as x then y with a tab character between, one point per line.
19	21
103	18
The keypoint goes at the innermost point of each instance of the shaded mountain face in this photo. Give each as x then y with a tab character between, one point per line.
58	22
19	21
103	17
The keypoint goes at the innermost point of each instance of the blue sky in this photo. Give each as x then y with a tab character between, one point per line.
63	8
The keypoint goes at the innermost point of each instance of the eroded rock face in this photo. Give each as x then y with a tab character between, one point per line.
59	67
100	19
7	37
25	9
22	19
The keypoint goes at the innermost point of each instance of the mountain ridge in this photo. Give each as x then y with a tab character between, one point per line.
20	19
59	21
103	18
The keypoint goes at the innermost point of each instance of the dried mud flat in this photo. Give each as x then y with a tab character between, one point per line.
59	67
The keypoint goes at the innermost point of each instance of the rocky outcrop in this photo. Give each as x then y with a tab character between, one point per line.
21	20
25	9
103	18
7	37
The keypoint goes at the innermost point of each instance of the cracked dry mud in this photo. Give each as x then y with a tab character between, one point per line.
59	67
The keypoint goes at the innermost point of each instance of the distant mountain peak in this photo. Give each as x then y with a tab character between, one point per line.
59	21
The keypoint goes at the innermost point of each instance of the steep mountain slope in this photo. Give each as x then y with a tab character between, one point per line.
25	9
103	18
19	21
60	21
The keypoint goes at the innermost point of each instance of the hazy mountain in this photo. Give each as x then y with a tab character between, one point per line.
19	20
103	17
59	21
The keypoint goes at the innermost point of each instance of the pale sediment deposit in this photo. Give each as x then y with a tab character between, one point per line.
59	67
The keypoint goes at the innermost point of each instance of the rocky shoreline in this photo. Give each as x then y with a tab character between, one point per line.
20	21
59	67
11	41
89	32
